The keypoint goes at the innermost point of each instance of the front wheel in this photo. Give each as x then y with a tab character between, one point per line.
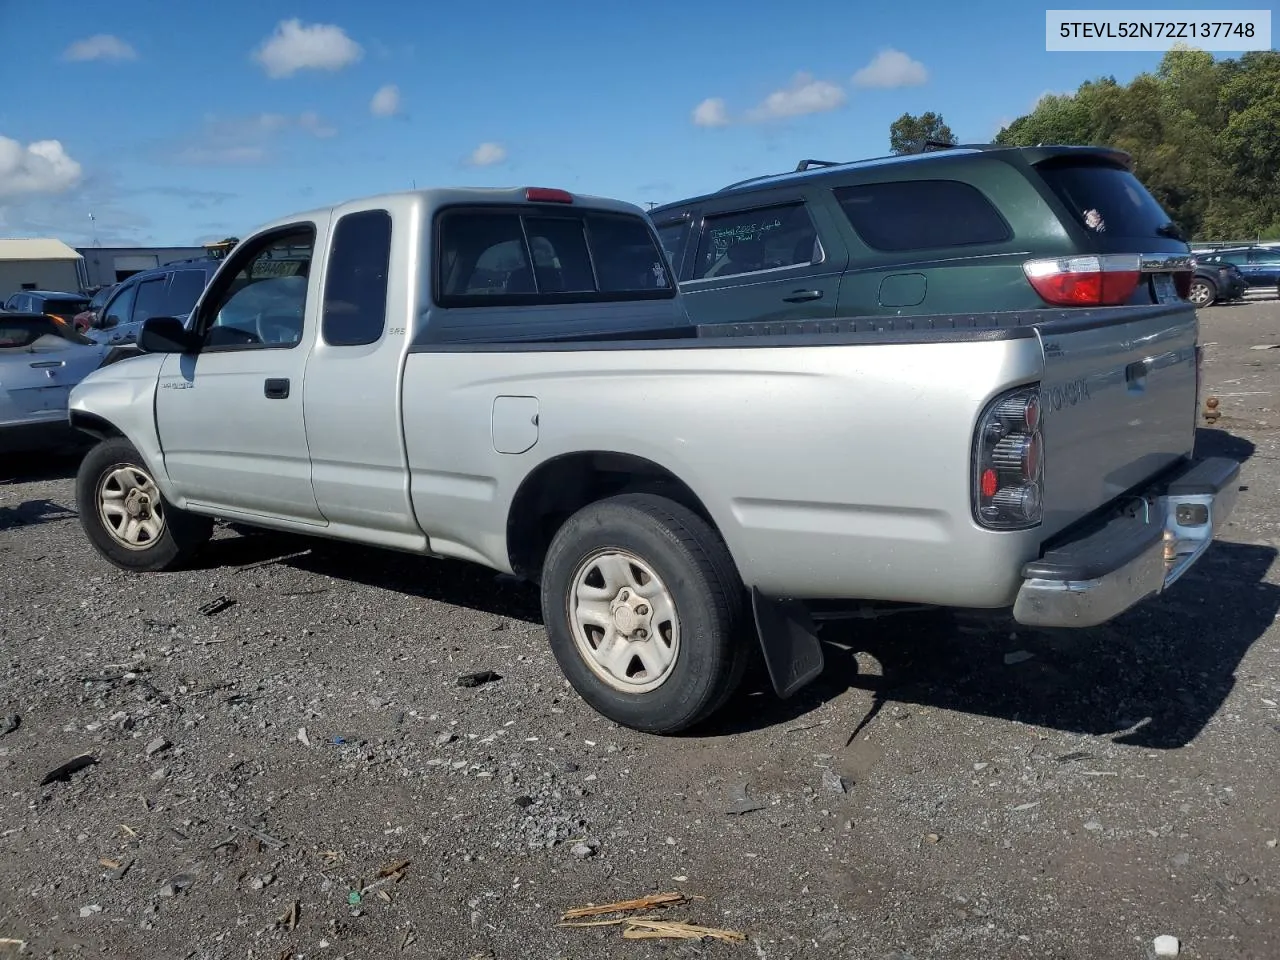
643	607
126	517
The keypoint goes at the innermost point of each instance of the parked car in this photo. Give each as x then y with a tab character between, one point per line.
965	229
84	320
1215	282
1260	266
41	359
168	291
509	377
63	306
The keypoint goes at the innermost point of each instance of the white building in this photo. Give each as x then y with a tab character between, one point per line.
104	265
39	264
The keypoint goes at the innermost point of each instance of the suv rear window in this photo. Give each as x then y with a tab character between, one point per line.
65	308
493	257
921	215
1106	199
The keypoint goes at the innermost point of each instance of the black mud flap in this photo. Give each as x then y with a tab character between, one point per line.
789	641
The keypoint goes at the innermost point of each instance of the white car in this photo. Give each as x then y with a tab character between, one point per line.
40	361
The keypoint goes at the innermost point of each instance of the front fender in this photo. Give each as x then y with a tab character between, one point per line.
120	398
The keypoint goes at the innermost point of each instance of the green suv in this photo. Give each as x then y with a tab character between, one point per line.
961	229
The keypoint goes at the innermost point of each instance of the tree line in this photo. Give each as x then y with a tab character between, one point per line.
1204	134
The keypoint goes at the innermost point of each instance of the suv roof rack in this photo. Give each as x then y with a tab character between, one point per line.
804	165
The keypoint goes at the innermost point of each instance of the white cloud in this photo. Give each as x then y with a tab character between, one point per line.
242	141
101	46
296	46
711	112
310	121
804	95
487	154
39	167
386	102
891	68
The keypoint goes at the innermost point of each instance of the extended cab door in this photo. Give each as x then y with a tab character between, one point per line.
230	415
768	255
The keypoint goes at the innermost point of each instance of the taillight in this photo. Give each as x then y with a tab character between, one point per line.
1092	281
1008	461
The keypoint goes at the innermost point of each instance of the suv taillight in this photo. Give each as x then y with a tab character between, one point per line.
1107	280
1008	461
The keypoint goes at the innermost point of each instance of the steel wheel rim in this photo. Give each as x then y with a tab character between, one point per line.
130	507
624	621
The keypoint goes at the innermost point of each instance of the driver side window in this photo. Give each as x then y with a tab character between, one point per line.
120	308
263	303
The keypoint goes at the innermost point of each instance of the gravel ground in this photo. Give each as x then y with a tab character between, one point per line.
952	787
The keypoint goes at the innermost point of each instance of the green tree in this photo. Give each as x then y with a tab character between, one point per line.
908	133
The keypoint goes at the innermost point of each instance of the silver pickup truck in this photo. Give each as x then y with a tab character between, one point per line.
508	377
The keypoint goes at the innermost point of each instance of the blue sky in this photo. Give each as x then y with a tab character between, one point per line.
179	122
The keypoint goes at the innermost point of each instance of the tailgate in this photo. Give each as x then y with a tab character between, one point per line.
1119	401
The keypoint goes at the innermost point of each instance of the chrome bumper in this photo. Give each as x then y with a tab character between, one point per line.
1137	553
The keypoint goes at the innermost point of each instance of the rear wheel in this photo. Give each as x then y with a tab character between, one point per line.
126	517
643	609
1203	292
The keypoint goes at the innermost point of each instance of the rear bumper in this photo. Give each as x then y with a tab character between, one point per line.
1109	566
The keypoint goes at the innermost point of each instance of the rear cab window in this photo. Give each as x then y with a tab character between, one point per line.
546	254
755	240
898	216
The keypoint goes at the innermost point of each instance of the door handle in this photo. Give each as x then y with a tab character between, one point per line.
42	364
276	388
801	296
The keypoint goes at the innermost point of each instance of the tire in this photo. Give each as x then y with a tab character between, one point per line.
1204	293
114	489
604	566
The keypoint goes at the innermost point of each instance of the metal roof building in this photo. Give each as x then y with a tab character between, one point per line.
39	264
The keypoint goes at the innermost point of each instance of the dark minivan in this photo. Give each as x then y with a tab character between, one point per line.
956	230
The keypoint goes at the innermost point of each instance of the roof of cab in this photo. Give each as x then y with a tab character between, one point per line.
947	155
436	197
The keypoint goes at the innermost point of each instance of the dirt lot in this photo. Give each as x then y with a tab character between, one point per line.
939	794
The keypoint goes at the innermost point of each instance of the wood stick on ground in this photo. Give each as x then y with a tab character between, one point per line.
627	906
638	929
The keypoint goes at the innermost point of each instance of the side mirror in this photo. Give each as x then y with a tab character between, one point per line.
165	335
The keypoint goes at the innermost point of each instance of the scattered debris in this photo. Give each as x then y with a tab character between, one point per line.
639	929
1093	826
64	770
1069	757
833	782
9	724
1271	844
586	849
1026	806
273	560
11	942
740	802
290	918
157	745
629	906
932	838
478	679
216	605
979	767
523	802
1018	656
303	738
264	838
1266	346
175	885
115	869
396	869
90	910
1166	946
446	738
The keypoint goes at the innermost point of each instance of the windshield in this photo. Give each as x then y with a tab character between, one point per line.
65	308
